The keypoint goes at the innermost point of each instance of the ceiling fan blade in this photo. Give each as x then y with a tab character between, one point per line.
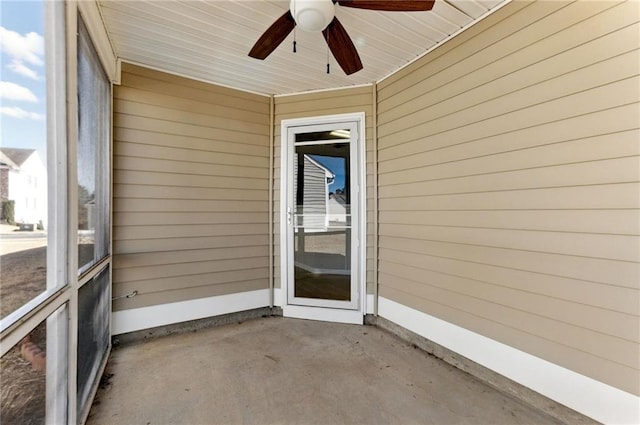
273	36
390	5
342	47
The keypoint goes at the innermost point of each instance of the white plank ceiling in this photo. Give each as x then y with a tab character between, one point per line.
209	40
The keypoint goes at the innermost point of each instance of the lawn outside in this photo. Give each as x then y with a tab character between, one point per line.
23	257
23	265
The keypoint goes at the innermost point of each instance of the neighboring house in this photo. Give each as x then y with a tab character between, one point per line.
337	208
313	213
23	179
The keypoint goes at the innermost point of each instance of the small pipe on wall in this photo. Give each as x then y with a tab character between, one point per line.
375	196
270	209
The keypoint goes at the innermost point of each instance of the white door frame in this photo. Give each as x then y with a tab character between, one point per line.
355	315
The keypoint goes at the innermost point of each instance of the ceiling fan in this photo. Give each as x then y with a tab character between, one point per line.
319	15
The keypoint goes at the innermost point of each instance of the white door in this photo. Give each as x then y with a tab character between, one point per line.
324	261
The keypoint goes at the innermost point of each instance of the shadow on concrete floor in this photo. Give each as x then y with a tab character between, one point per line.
288	371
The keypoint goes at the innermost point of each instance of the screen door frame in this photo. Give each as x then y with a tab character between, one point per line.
351	311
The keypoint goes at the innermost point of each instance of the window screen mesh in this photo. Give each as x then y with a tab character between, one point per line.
94	100
93	332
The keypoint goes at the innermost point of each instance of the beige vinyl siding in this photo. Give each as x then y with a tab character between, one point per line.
191	169
509	168
344	101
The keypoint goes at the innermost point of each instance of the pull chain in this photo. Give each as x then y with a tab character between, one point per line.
293	11
328	67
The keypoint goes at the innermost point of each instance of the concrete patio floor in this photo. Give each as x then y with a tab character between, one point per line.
287	371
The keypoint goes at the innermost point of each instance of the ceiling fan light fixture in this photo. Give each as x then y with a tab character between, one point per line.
319	15
312	15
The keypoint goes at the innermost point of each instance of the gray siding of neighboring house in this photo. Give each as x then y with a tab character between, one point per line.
191	169
315	200
508	182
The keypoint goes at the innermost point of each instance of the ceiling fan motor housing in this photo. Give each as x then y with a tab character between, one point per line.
312	15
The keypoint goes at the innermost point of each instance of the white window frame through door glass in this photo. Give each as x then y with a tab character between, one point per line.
325	310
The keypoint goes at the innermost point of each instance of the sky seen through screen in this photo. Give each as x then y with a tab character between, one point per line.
22	76
337	166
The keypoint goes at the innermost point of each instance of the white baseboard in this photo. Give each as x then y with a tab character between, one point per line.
592	398
136	319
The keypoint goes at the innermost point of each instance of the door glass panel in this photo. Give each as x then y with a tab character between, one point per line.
322	220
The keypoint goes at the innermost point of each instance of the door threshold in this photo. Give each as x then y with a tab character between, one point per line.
324	314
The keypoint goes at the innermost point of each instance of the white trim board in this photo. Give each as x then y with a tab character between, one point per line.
137	319
592	398
370	303
328	89
92	18
278	297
